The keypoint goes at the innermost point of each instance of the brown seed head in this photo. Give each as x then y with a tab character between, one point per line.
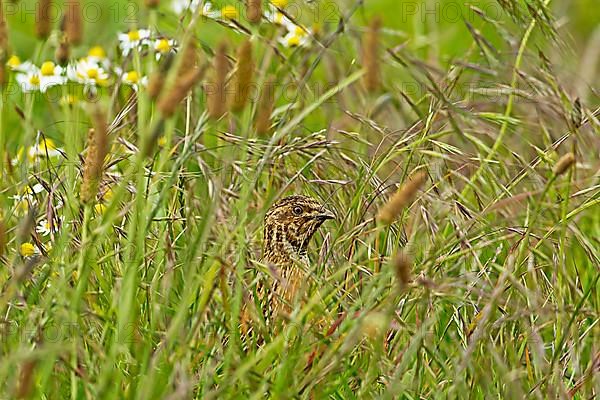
3	35
217	101
157	80
254	11
188	74
152	3
243	77
370	55
265	107
563	164
97	149
402	198
26	381
402	268
43	23
62	52
169	101
73	22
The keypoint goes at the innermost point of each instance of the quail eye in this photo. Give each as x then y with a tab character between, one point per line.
297	210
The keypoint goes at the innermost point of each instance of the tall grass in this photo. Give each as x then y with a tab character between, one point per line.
464	261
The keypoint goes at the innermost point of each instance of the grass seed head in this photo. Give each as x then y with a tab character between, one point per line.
73	22
563	164
63	52
3	35
157	80
265	107
402	198
217	102
169	101
152	3
43	24
402	268
370	55
254	11
97	150
243	77
26	380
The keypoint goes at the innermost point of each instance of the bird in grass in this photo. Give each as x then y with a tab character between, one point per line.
288	227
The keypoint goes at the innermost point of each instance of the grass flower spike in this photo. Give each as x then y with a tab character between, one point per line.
401	199
97	149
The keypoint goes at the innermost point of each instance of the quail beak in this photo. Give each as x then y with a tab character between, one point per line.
325	214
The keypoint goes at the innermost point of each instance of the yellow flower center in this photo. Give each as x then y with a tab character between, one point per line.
279	18
162	141
92	73
97	51
299	31
27	249
47	68
279	3
132	77
229	12
134	35
14	62
294	41
163	46
34	79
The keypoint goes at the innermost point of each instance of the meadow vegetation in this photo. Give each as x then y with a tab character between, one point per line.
457	143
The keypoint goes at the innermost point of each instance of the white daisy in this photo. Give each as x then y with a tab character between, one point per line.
296	37
278	18
34	79
45	148
134	39
98	55
164	46
28	250
43	228
26	198
14	64
133	79
88	72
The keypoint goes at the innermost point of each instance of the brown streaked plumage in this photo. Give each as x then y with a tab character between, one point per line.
289	225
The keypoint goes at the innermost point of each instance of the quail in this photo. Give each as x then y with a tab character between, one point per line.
288	227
